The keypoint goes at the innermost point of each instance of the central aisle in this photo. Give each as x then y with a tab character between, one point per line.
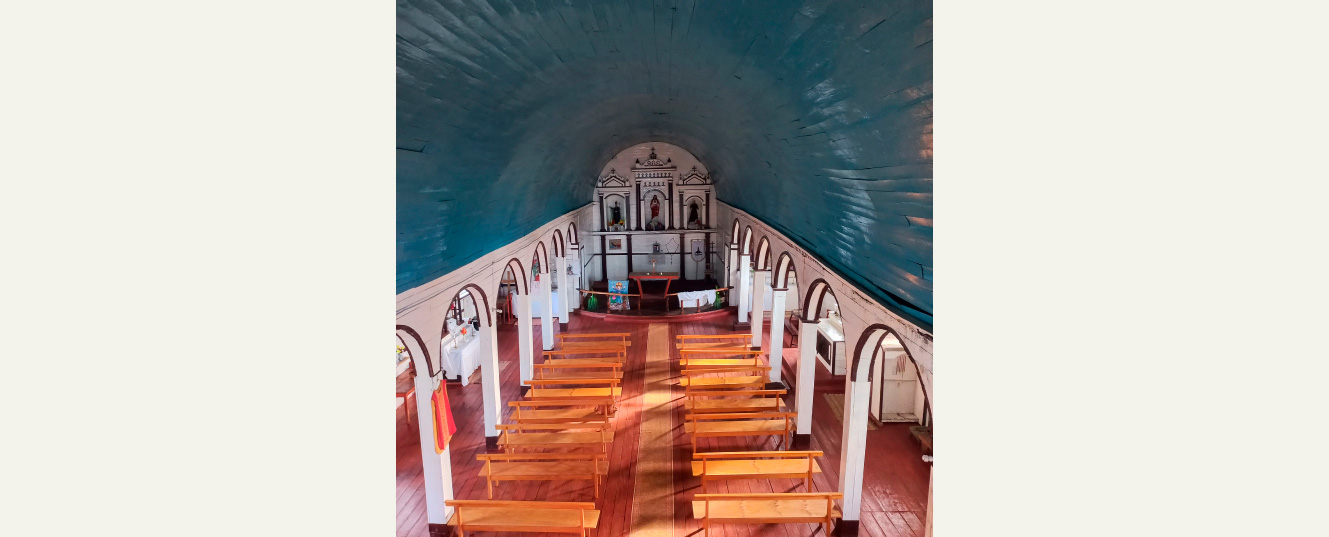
653	495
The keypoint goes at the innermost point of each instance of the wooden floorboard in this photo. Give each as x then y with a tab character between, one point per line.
894	490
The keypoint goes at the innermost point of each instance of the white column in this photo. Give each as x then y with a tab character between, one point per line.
525	358
807	375
758	306
855	443
437	466
565	292
927	526
775	353
493	404
547	311
743	293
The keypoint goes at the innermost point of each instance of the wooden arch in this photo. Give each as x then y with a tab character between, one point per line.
519	273
747	241
572	233
783	266
429	364
484	301
557	242
870	342
763	258
812	301
542	255
733	233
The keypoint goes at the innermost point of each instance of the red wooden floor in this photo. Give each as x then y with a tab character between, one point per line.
894	488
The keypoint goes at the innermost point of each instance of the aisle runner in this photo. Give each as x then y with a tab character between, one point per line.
653	495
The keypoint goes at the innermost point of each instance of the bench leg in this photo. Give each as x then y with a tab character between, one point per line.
490	484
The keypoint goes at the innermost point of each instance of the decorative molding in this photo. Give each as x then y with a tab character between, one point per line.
613	179
695	178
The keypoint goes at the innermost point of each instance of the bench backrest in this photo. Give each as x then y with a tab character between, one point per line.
721	350
734	369
525	457
692	393
546	383
553	427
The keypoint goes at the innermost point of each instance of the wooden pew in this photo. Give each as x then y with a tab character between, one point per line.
767	508
731	339
544	467
779	424
573	389
695	360
562	370
557	412
597	337
733	401
724	465
549	517
601	356
694	378
541	436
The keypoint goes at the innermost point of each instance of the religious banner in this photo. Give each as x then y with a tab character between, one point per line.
444	427
616	301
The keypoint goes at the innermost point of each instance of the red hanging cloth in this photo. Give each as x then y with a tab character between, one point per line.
442	415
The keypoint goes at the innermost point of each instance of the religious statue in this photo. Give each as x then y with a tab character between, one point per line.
655	207
693	217
614	214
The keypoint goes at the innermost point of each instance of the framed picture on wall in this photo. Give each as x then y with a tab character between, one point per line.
615	244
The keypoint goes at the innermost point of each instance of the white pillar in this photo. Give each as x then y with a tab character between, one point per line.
743	292
775	354
525	358
758	306
565	292
854	445
493	404
437	466
807	375
547	311
927	526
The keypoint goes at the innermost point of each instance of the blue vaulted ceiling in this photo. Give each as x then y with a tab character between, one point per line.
814	116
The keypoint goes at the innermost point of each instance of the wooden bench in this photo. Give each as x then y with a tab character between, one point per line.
767	508
725	465
734	401
924	436
556	412
694	378
549	517
618	355
543	436
574	390
562	370
693	362
696	339
544	467
779	424
615	337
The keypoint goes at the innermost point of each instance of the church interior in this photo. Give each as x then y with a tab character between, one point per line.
664	268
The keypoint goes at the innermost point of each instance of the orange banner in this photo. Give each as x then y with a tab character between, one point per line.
444	427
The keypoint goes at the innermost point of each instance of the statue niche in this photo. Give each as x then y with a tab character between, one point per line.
654	224
694	216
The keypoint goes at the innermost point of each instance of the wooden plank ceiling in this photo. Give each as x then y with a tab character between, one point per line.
814	116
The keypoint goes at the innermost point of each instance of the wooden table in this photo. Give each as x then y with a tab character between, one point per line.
668	277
